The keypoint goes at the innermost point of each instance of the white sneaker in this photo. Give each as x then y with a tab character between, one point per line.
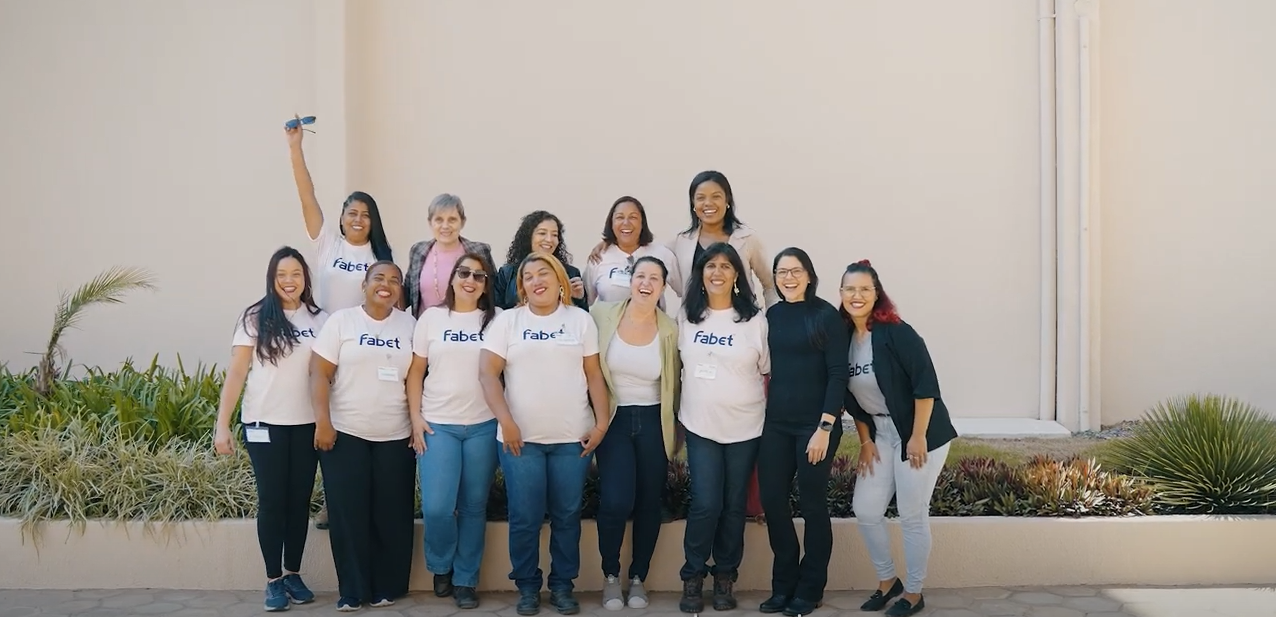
637	594
611	594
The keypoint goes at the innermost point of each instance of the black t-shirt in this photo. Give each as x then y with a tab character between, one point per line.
806	381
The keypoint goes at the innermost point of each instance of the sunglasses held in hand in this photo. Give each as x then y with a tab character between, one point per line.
297	122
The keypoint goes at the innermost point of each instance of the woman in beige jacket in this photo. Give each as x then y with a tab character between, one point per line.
638	349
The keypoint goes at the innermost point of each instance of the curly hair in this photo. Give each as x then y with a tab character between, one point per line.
521	246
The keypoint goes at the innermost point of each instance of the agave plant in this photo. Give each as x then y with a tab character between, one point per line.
109	287
1205	454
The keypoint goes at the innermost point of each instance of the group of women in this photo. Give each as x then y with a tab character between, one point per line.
441	376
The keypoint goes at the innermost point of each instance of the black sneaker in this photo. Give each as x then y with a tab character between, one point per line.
878	600
564	602
774	604
723	592
529	602
465	597
443	585
276	596
904	608
297	589
349	605
798	606
692	595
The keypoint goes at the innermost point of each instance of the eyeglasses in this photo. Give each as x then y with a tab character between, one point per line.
464	273
863	291
787	272
296	122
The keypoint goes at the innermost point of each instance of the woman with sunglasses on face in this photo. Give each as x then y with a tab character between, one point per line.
270	364
723	345
430	261
714	219
364	436
547	350
808	343
638	348
626	238
447	405
541	232
904	431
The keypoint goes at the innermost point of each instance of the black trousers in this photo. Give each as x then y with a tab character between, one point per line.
781	456
371	492
632	470
285	473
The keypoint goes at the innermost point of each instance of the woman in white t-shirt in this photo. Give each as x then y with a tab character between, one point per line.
364	435
725	359
270	365
459	461
548	352
626	237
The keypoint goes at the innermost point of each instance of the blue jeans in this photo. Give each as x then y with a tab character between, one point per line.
545	478
719	493
456	471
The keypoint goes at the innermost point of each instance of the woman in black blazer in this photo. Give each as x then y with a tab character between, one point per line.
538	231
904	433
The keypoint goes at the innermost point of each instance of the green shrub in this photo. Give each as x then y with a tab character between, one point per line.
1204	454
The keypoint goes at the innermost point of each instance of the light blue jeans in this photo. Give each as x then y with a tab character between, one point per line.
456	471
912	489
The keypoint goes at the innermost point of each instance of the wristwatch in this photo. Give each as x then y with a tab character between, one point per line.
825	425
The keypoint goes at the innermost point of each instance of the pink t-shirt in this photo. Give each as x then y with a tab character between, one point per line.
434	274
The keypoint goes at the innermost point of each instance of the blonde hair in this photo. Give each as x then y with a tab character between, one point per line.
564	283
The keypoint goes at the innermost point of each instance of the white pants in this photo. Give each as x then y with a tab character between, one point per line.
912	489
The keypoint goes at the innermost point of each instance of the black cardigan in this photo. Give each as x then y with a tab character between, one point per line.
506	286
905	373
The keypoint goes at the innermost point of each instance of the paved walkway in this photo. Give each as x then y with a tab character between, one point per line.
1027	602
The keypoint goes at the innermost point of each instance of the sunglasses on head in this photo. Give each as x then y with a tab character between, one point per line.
296	122
464	273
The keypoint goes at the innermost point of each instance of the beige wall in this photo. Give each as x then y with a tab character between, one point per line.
148	133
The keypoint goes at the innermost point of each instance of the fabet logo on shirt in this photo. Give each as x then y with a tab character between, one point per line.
368	340
348	266
307	333
861	369
460	336
541	335
709	338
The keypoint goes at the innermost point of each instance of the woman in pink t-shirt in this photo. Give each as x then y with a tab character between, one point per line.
431	261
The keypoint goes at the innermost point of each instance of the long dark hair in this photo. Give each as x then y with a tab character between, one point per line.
813	305
609	235
485	302
729	220
275	334
697	299
376	235
884	310
521	246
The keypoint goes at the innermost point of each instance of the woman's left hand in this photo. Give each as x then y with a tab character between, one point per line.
591	440
818	447
419	429
578	287
916	450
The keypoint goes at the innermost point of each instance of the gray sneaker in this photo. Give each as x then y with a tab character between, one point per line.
611	594
637	594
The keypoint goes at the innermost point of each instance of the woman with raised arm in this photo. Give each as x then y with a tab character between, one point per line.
459	461
552	411
270	365
723	344
638	348
430	261
363	432
714	219
626	238
541	232
808	344
904	432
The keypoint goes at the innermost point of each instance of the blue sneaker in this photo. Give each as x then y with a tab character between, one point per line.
297	589
349	605
276	596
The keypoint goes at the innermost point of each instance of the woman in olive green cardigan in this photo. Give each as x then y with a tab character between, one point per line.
638	349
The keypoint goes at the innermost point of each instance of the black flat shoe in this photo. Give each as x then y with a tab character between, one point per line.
465	597
904	608
774	604
443	585
529	602
878	600
798	606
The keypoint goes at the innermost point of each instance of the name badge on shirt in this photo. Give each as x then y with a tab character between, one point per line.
706	371
388	373
257	434
620	278
565	338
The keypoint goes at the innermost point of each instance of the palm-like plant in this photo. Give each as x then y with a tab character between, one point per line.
109	287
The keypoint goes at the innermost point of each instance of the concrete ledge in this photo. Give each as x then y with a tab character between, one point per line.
967	552
1008	428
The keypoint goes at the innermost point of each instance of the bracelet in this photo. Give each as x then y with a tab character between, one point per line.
865	443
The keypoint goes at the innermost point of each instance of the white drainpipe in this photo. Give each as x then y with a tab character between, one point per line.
1049	223
1085	9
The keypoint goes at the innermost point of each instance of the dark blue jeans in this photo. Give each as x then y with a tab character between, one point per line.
719	491
632	470
545	478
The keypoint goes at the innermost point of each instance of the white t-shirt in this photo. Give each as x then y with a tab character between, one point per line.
609	279
279	392
635	371
368	398
545	384
340	270
450	342
723	398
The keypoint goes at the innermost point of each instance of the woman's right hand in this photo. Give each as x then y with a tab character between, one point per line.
868	456
512	438
294	135
223	443
325	436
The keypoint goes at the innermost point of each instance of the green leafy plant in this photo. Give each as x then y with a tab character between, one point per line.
109	287
1204	454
